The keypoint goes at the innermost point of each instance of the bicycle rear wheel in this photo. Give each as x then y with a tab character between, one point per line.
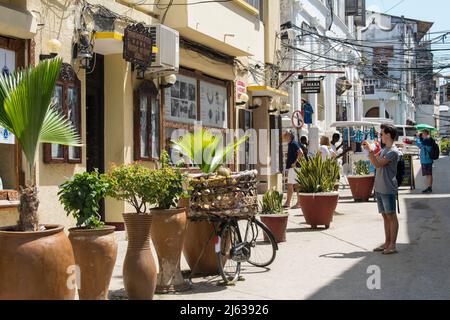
229	239
263	244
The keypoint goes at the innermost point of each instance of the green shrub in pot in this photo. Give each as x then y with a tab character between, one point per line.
81	197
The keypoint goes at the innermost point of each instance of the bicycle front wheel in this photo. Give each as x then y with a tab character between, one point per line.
229	240
263	245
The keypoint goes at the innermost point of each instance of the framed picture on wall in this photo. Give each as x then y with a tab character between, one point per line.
213	105
181	100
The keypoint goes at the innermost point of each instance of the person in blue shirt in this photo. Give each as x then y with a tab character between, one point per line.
293	156
425	146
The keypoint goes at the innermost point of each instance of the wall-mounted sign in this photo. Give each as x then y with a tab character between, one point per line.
241	88
311	86
138	45
6	137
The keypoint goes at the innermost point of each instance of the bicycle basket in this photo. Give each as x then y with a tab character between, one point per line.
220	196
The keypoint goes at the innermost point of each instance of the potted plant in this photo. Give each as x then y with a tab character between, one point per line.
316	180
445	147
362	183
94	244
27	109
205	150
273	215
132	183
169	225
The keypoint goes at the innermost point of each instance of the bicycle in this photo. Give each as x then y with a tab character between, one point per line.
233	248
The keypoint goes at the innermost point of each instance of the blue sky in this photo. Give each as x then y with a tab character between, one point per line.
437	11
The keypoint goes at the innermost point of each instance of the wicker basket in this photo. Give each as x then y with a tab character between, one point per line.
215	196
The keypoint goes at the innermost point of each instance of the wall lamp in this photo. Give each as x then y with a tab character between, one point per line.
140	73
53	45
243	99
168	81
257	102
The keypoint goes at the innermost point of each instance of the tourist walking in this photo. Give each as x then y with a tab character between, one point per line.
293	156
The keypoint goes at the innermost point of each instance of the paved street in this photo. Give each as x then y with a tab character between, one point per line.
333	263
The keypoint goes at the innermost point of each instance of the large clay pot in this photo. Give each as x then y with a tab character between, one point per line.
199	248
36	265
361	186
139	268
277	223
318	208
168	234
95	254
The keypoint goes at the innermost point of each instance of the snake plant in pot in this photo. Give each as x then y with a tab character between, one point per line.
28	110
361	184
94	244
316	179
273	215
214	193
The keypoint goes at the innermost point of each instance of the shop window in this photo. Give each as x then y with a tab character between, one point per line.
249	156
146	122
67	99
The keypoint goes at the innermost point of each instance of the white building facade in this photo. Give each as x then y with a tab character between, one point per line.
393	52
316	37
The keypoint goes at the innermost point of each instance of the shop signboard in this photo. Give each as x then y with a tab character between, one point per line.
240	89
6	137
138	45
311	86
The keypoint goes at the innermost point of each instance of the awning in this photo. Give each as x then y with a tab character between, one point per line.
266	91
108	43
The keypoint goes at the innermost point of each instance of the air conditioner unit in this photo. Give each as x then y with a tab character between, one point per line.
166	56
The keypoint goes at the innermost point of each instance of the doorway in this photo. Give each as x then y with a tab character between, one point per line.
95	142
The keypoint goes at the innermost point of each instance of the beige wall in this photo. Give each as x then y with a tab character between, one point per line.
223	26
8	218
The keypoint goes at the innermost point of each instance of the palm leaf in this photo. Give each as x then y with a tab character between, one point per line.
27	111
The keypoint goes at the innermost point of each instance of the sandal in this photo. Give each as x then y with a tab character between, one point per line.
389	251
379	248
285	207
296	207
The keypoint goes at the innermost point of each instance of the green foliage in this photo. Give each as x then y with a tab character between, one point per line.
205	149
27	109
168	182
362	168
444	145
317	175
81	195
272	202
132	183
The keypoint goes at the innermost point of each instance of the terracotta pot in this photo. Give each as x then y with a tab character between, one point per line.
139	268
36	265
95	254
361	186
318	208
277	223
168	234
198	233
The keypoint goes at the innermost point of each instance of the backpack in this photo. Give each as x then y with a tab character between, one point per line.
434	154
400	170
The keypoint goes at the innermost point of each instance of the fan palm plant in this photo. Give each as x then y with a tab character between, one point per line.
27	109
205	149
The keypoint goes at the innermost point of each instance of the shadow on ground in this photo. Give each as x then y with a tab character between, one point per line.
421	268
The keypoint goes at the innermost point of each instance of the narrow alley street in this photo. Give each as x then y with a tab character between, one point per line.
334	263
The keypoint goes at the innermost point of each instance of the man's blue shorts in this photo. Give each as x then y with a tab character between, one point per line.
386	203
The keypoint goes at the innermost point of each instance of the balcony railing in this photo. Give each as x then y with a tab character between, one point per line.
382	84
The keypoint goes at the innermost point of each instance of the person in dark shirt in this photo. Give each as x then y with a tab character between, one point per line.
425	145
293	156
